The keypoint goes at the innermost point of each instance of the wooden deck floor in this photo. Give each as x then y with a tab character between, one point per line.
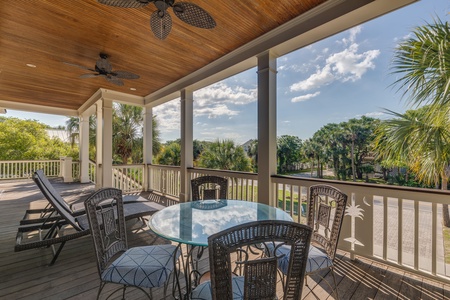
26	274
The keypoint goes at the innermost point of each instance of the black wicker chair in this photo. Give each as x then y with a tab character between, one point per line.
139	267
326	209
209	188
247	246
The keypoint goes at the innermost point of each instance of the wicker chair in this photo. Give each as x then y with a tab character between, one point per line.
140	267
256	276
209	188
326	209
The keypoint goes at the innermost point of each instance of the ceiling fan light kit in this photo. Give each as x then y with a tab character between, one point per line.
160	20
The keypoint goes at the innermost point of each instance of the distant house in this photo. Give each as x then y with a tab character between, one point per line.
61	134
247	144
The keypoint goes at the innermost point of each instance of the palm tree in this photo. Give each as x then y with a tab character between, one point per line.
422	64
170	155
127	128
224	155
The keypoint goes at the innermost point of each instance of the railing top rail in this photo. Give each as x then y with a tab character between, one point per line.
411	193
29	160
244	175
163	167
129	166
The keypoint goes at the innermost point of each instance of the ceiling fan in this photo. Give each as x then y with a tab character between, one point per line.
103	68
160	20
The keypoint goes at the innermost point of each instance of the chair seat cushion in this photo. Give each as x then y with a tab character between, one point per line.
147	267
317	259
204	292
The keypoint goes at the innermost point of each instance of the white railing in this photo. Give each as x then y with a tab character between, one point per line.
128	178
399	226
20	169
76	170
164	179
242	186
92	172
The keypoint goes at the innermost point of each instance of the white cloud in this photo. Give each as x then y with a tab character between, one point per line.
346	65
216	100
168	116
321	77
222	93
305	97
375	114
349	65
214	111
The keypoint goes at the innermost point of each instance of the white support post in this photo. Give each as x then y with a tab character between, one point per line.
148	145
66	168
84	148
267	126
107	144
187	148
98	145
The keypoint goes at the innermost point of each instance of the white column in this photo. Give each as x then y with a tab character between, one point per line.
187	148
84	148
267	126
107	144
148	145
98	145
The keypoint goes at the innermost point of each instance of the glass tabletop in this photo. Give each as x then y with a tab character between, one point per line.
193	222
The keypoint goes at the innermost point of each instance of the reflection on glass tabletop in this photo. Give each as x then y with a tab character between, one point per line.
192	222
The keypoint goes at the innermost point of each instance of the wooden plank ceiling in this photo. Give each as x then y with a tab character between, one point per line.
49	34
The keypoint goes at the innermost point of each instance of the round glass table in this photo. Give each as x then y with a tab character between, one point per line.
193	222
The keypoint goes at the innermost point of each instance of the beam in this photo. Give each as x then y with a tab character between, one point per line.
38	108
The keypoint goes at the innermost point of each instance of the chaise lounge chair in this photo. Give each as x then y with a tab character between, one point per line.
60	222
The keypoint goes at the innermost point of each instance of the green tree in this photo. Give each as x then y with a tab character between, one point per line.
127	133
127	128
288	152
252	153
28	139
170	155
224	155
422	66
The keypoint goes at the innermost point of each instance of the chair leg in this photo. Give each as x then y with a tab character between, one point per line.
100	288
333	290
55	256
335	283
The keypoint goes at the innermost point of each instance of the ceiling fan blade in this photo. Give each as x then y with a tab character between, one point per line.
90	75
125	3
125	75
78	66
114	80
103	65
161	24
194	15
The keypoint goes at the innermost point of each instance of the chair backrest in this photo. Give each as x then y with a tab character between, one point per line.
260	272
44	182
209	188
106	218
55	199
326	210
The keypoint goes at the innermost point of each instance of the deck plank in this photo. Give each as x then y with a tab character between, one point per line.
26	274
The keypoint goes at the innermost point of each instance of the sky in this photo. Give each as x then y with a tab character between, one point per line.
345	76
